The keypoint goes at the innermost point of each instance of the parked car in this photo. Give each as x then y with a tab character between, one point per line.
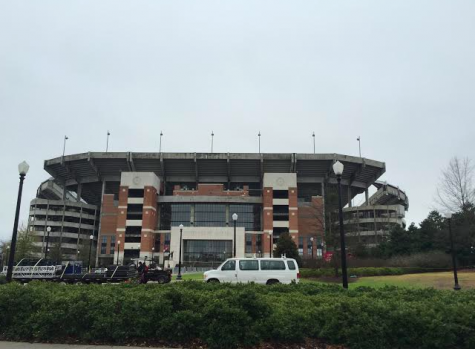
266	271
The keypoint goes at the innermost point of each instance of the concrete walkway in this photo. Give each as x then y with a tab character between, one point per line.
21	345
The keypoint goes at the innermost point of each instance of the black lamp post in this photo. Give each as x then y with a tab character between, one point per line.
22	169
235	217
452	250
311	239
91	237
338	169
153	250
178	277
48	229
118	251
270	244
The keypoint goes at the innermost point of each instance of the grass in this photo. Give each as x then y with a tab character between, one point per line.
440	280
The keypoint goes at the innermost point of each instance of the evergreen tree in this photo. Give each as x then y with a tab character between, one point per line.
25	247
286	246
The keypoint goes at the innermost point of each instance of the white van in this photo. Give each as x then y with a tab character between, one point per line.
265	271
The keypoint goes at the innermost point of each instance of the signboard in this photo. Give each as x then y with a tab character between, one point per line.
328	256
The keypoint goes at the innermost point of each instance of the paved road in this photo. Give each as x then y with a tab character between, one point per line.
19	345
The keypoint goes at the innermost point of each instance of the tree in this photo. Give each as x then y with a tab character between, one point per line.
25	245
4	252
456	189
432	234
286	246
55	252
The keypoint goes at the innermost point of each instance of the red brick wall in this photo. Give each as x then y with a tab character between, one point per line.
109	219
267	213
311	221
210	190
149	219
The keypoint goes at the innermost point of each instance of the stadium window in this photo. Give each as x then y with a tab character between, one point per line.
104	245
281	194
248	243
112	247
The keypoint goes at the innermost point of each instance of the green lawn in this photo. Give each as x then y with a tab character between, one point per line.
190	276
442	280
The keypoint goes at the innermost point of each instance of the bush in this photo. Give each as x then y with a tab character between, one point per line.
231	316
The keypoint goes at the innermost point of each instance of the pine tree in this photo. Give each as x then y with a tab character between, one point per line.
286	246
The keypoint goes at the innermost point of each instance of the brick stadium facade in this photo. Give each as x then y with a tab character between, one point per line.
143	198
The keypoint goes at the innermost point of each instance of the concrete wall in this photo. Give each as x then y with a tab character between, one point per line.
206	233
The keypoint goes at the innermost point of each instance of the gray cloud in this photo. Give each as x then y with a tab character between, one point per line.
400	74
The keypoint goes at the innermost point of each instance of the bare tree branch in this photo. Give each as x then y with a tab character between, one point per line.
456	189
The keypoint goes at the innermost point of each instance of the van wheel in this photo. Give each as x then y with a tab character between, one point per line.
272	282
213	281
162	280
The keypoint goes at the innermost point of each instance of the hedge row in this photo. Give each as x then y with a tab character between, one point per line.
230	316
369	271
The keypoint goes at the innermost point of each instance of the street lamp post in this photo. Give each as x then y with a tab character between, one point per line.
452	250
48	229
338	169
311	239
22	169
91	237
118	251
235	217
178	277
270	244
153	250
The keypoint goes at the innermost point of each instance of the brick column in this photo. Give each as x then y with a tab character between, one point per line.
293	215
267	219
149	221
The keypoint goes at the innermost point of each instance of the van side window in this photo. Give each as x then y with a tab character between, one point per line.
272	265
291	265
249	265
229	265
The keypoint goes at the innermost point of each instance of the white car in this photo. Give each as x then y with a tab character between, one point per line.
265	271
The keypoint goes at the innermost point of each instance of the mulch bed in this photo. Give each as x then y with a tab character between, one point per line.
308	344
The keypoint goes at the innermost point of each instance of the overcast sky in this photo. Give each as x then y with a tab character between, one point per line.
401	74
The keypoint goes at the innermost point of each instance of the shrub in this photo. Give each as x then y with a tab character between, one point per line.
231	316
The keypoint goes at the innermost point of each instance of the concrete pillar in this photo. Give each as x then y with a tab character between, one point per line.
349	196
366	196
79	192
103	191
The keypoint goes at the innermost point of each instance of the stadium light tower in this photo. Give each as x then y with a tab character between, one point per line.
452	250
64	144
23	170
313	135
338	169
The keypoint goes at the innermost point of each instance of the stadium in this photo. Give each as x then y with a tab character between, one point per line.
137	205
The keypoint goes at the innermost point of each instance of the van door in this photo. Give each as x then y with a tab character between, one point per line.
228	272
248	270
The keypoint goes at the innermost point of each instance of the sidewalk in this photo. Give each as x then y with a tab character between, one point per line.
20	345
